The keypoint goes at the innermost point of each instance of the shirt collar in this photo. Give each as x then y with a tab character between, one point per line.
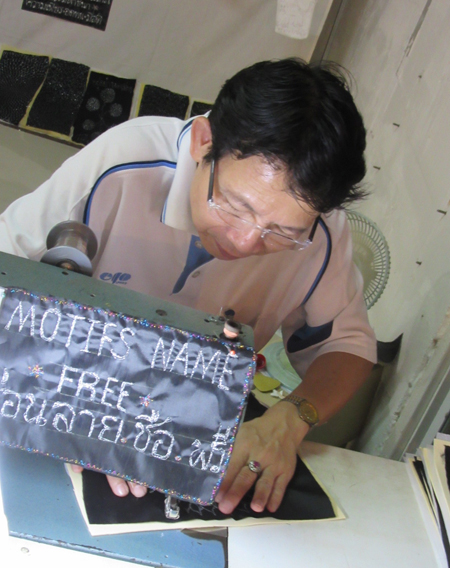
177	208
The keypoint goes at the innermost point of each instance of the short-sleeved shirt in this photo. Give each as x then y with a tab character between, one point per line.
131	185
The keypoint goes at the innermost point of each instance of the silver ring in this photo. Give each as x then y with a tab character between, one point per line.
254	466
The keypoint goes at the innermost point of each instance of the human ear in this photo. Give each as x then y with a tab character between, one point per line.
201	138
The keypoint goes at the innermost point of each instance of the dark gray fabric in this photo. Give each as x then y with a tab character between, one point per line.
117	394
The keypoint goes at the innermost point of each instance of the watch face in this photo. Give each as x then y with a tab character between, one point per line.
308	412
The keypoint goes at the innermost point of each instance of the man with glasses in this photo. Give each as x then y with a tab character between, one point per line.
238	213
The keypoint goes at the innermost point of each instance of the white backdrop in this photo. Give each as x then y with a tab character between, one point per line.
399	53
189	47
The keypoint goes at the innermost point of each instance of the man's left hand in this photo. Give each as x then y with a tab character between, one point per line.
271	440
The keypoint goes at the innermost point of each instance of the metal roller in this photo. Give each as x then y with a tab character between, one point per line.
231	329
71	245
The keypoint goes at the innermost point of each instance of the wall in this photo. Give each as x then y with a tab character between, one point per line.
26	161
399	55
188	47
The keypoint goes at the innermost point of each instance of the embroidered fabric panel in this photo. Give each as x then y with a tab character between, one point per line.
120	395
69	101
20	77
57	103
106	103
199	108
88	13
156	101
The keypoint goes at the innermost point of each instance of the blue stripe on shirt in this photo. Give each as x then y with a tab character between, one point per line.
324	264
121	167
197	256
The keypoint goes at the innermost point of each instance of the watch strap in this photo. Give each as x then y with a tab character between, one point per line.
306	410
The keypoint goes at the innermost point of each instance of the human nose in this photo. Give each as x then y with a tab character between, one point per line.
247	240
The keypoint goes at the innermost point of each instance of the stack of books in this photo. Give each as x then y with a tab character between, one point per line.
429	470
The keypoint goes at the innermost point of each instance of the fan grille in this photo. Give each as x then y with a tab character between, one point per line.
371	255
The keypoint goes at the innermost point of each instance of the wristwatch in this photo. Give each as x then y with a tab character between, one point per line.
306	411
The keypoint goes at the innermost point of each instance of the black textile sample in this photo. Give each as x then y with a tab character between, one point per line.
20	77
304	500
60	97
447	465
106	103
162	102
93	13
199	108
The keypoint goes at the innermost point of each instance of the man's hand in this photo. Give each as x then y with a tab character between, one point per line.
119	487
273	441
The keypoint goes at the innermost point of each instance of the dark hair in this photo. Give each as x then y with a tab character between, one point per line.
297	116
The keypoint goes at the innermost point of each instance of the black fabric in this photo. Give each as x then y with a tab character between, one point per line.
162	102
88	13
307	336
447	465
420	471
199	108
443	528
254	408
106	103
444	534
304	500
60	97
20	77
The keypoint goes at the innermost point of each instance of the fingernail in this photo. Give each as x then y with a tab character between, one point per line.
121	490
139	491
225	508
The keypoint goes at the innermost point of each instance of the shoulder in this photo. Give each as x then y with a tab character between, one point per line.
336	223
147	126
139	139
333	250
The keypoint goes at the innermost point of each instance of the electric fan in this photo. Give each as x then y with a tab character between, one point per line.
370	254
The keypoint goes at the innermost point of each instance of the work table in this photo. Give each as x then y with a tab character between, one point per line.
384	525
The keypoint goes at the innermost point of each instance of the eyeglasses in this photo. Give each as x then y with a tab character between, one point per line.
272	239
